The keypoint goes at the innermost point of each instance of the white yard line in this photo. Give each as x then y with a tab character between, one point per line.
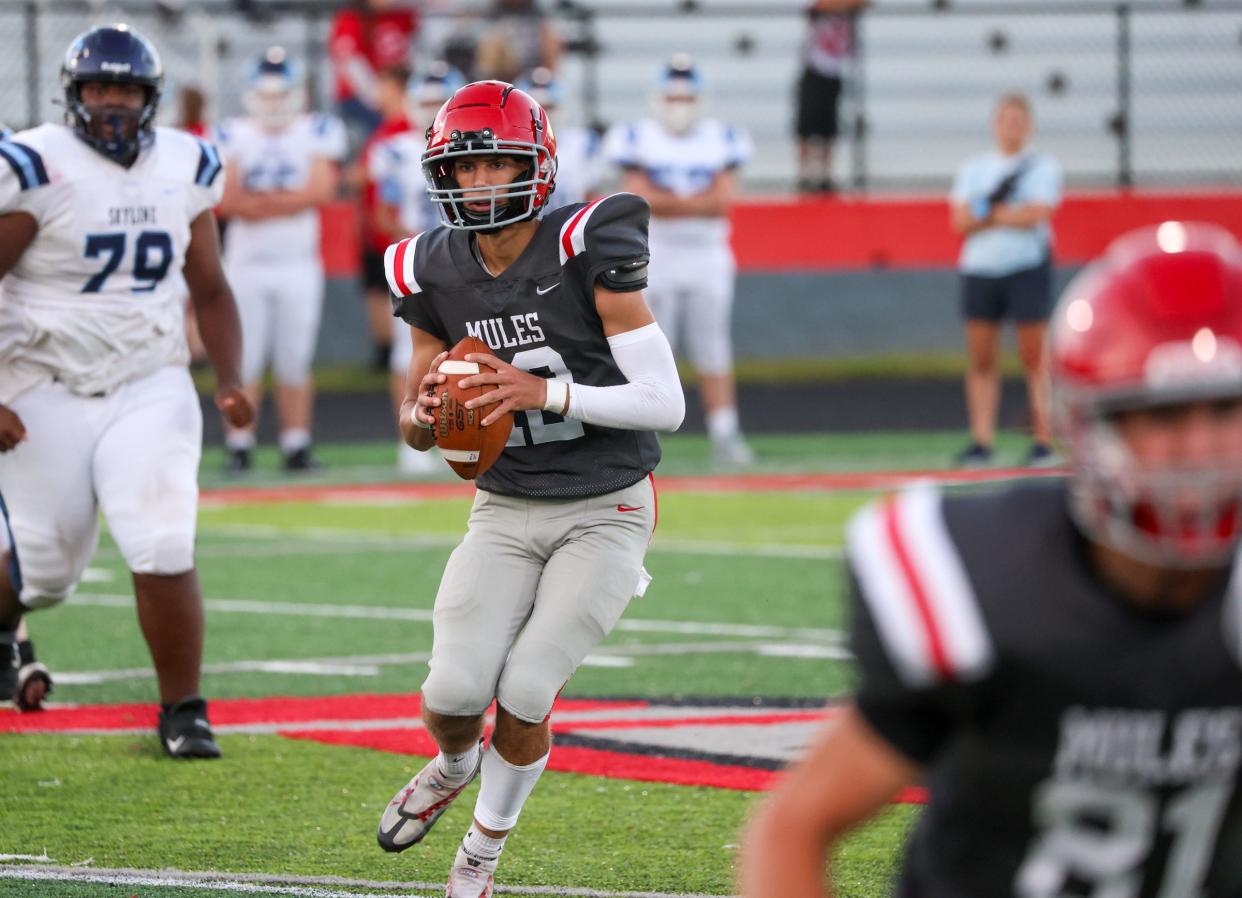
302	886
423	615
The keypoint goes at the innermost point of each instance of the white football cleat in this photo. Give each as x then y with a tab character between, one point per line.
415	809
469	882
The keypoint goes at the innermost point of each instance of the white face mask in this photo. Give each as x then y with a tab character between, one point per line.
273	106
678	116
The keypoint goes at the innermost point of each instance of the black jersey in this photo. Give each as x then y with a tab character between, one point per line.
538	315
1073	743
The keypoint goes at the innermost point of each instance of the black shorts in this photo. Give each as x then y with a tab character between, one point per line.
1024	296
818	99
373	277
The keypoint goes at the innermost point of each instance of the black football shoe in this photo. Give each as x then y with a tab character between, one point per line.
238	461
185	732
34	682
300	461
10	663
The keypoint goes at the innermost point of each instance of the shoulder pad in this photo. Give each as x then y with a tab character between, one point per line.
917	591
399	267
25	163
609	230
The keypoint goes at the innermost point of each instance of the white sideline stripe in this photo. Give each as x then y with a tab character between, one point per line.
345	539
423	615
601	657
309	886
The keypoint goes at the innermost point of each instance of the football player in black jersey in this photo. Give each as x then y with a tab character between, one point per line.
1060	663
554	548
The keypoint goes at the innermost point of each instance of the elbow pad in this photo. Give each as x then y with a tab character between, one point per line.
625	278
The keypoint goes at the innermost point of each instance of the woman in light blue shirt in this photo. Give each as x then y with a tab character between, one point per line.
1002	202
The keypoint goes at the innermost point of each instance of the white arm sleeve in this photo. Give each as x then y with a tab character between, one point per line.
651	400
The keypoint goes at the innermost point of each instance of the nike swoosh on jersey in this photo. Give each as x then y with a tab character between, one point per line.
630	507
543	290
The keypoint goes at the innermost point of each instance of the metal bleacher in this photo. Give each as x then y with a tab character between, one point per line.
923	87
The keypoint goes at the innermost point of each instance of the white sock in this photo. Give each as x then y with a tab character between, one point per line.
293	439
239	439
505	789
478	850
456	767
722	424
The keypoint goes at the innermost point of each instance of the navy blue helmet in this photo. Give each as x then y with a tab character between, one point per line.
112	54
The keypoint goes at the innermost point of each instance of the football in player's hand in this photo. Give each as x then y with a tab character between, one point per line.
468	446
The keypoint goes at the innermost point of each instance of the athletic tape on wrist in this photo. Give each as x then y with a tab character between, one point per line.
558	395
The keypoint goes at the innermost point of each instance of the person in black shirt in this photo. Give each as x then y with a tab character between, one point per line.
1059	662
561	522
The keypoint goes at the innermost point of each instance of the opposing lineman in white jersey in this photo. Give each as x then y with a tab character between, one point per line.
99	413
282	166
685	166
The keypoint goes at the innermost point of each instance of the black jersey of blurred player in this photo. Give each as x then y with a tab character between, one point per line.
539	315
1073	743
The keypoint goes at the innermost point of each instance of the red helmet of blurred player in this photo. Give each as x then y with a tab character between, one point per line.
1154	324
490	118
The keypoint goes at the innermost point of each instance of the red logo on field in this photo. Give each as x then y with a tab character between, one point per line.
725	743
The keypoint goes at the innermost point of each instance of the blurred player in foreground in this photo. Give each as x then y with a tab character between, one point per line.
1059	661
554	548
99	411
281	166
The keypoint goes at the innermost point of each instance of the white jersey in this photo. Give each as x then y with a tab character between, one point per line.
273	161
579	166
395	166
93	301
686	164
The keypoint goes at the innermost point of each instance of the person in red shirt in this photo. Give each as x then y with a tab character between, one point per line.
390	101
368	36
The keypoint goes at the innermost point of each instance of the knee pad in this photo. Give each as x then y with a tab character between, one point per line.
163	553
45	592
457	685
528	687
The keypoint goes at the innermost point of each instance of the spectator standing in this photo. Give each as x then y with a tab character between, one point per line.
367	37
519	37
1002	203
378	232
686	167
827	56
281	166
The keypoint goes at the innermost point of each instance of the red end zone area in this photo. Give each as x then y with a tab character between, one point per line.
650	741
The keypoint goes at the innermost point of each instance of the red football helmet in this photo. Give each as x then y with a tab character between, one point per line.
1155	322
490	118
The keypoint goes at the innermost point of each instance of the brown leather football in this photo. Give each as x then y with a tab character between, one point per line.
468	446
